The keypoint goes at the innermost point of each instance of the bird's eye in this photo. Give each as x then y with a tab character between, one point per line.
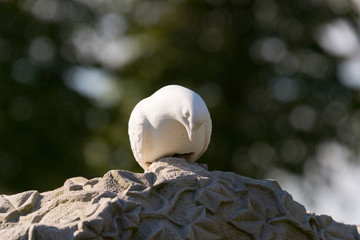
185	113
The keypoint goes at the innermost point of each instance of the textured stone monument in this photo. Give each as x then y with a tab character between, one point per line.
175	198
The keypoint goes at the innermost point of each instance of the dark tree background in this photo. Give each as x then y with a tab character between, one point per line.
279	77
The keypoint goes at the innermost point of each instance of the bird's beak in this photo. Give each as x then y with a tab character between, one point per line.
189	131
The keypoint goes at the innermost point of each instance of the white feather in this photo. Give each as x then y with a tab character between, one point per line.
174	121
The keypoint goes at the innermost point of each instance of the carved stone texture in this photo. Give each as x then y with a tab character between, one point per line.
173	199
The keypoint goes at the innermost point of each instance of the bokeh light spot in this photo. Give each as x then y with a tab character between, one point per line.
24	71
349	72
269	49
338	38
95	84
42	50
293	151
261	154
284	89
303	117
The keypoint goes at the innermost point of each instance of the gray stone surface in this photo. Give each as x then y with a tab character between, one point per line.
173	199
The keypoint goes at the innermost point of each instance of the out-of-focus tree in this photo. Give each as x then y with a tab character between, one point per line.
279	78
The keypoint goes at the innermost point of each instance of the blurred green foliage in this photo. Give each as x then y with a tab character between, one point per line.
279	77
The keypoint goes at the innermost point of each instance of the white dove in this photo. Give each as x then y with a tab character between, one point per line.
174	121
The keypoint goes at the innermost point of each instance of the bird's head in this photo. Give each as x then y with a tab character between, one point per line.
193	114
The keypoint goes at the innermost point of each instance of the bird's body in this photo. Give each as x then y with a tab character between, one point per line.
174	121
